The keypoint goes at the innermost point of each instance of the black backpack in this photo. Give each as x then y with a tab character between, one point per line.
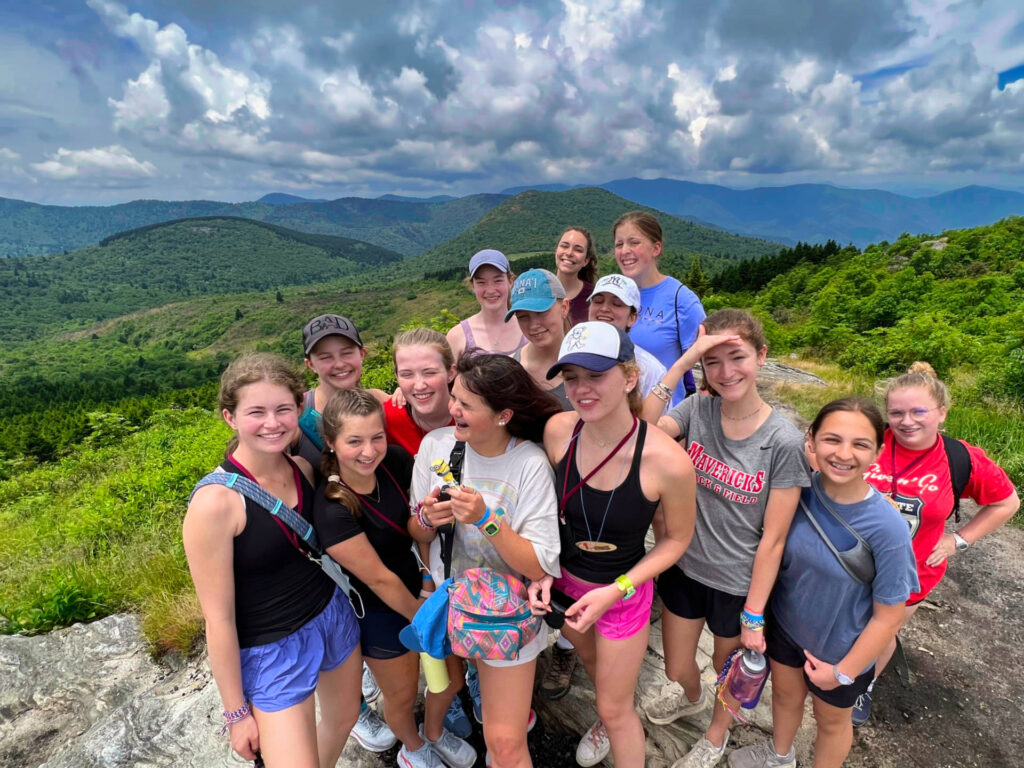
959	470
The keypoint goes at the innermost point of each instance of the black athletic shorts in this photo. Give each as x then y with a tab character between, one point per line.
689	599
785	651
378	634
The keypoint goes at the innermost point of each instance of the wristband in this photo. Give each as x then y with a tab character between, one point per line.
625	586
661	392
235	716
490	523
427	577
422	519
752	621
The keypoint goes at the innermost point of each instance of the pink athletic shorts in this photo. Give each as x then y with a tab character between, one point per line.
625	618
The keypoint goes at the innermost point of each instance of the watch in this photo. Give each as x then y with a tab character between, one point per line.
490	523
843	679
962	544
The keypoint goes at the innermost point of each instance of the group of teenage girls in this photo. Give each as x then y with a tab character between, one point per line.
582	427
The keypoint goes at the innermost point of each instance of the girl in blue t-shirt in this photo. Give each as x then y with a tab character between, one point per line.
835	608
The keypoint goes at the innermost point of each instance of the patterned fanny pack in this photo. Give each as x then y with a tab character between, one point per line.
489	615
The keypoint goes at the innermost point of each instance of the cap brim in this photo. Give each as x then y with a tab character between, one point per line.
411	639
586	360
530	305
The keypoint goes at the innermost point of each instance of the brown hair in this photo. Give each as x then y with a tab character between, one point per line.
634	396
854	404
645	222
251	369
423	337
345	402
746	326
588	273
921	374
503	383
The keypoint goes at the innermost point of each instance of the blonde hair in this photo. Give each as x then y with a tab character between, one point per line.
344	403
252	369
424	337
921	374
635	397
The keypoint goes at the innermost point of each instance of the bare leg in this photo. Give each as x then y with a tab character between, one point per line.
339	694
289	737
680	637
505	694
437	703
721	719
835	734
398	679
789	689
618	667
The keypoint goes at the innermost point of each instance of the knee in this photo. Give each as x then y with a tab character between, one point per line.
505	745
615	712
341	718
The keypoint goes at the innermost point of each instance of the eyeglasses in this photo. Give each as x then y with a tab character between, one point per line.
917	414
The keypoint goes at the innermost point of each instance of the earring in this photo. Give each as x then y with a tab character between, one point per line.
628	390
501	423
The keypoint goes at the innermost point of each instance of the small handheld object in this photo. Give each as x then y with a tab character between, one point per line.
559	603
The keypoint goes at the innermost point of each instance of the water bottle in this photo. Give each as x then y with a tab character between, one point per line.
436	673
746	678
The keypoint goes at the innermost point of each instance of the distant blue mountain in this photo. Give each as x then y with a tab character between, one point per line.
281	198
407	199
816	213
544	188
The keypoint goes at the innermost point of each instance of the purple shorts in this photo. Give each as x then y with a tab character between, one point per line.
281	674
625	618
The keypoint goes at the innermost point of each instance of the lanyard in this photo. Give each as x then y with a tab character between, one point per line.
298	488
566	495
366	502
895	477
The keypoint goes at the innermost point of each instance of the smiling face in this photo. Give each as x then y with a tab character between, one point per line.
491	287
337	361
732	369
596	394
609	308
844	446
475	421
571	253
636	254
265	418
544	329
914	417
423	379
360	446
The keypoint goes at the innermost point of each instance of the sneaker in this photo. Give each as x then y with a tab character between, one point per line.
703	754
371	691
451	749
558	677
455	720
531	720
473	684
862	708
424	757
372	733
673	704
594	746
762	755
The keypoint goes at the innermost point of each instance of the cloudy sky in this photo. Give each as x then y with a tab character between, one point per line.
112	100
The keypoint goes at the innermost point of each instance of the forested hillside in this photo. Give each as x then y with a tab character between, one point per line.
152	266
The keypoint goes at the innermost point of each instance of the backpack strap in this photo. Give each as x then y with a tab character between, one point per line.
959	470
447	532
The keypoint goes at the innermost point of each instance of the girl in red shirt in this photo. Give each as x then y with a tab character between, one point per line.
913	470
425	368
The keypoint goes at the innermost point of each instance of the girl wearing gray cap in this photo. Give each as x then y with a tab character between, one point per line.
491	278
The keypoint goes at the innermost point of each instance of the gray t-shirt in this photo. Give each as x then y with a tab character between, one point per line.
734	478
815	601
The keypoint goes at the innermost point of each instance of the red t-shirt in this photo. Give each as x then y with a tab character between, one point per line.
401	429
924	495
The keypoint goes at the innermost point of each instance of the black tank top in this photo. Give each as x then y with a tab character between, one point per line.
277	590
628	519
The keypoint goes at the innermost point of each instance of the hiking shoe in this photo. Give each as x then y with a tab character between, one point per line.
558	677
594	746
455	720
451	749
762	755
371	691
424	757
372	733
703	754
862	709
673	704
473	684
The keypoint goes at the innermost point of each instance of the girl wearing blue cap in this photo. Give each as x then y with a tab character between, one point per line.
615	477
539	307
491	278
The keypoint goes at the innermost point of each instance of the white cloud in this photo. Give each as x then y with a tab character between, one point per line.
99	163
8	154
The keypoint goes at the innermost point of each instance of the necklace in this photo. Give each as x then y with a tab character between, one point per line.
743	418
594	544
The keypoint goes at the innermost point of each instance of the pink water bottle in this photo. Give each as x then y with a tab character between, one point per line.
746	678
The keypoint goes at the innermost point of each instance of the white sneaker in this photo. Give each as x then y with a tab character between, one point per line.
424	757
594	746
372	733
370	688
761	755
703	754
454	751
673	704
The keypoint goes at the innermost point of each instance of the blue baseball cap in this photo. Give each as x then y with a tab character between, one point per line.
534	291
595	346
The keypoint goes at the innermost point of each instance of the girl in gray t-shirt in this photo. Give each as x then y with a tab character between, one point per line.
750	470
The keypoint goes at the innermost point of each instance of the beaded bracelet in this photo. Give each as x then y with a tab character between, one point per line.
661	392
754	621
422	519
235	716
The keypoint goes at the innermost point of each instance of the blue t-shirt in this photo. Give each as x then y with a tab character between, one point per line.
670	314
816	602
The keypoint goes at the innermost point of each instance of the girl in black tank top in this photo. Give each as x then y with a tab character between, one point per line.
276	627
615	477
